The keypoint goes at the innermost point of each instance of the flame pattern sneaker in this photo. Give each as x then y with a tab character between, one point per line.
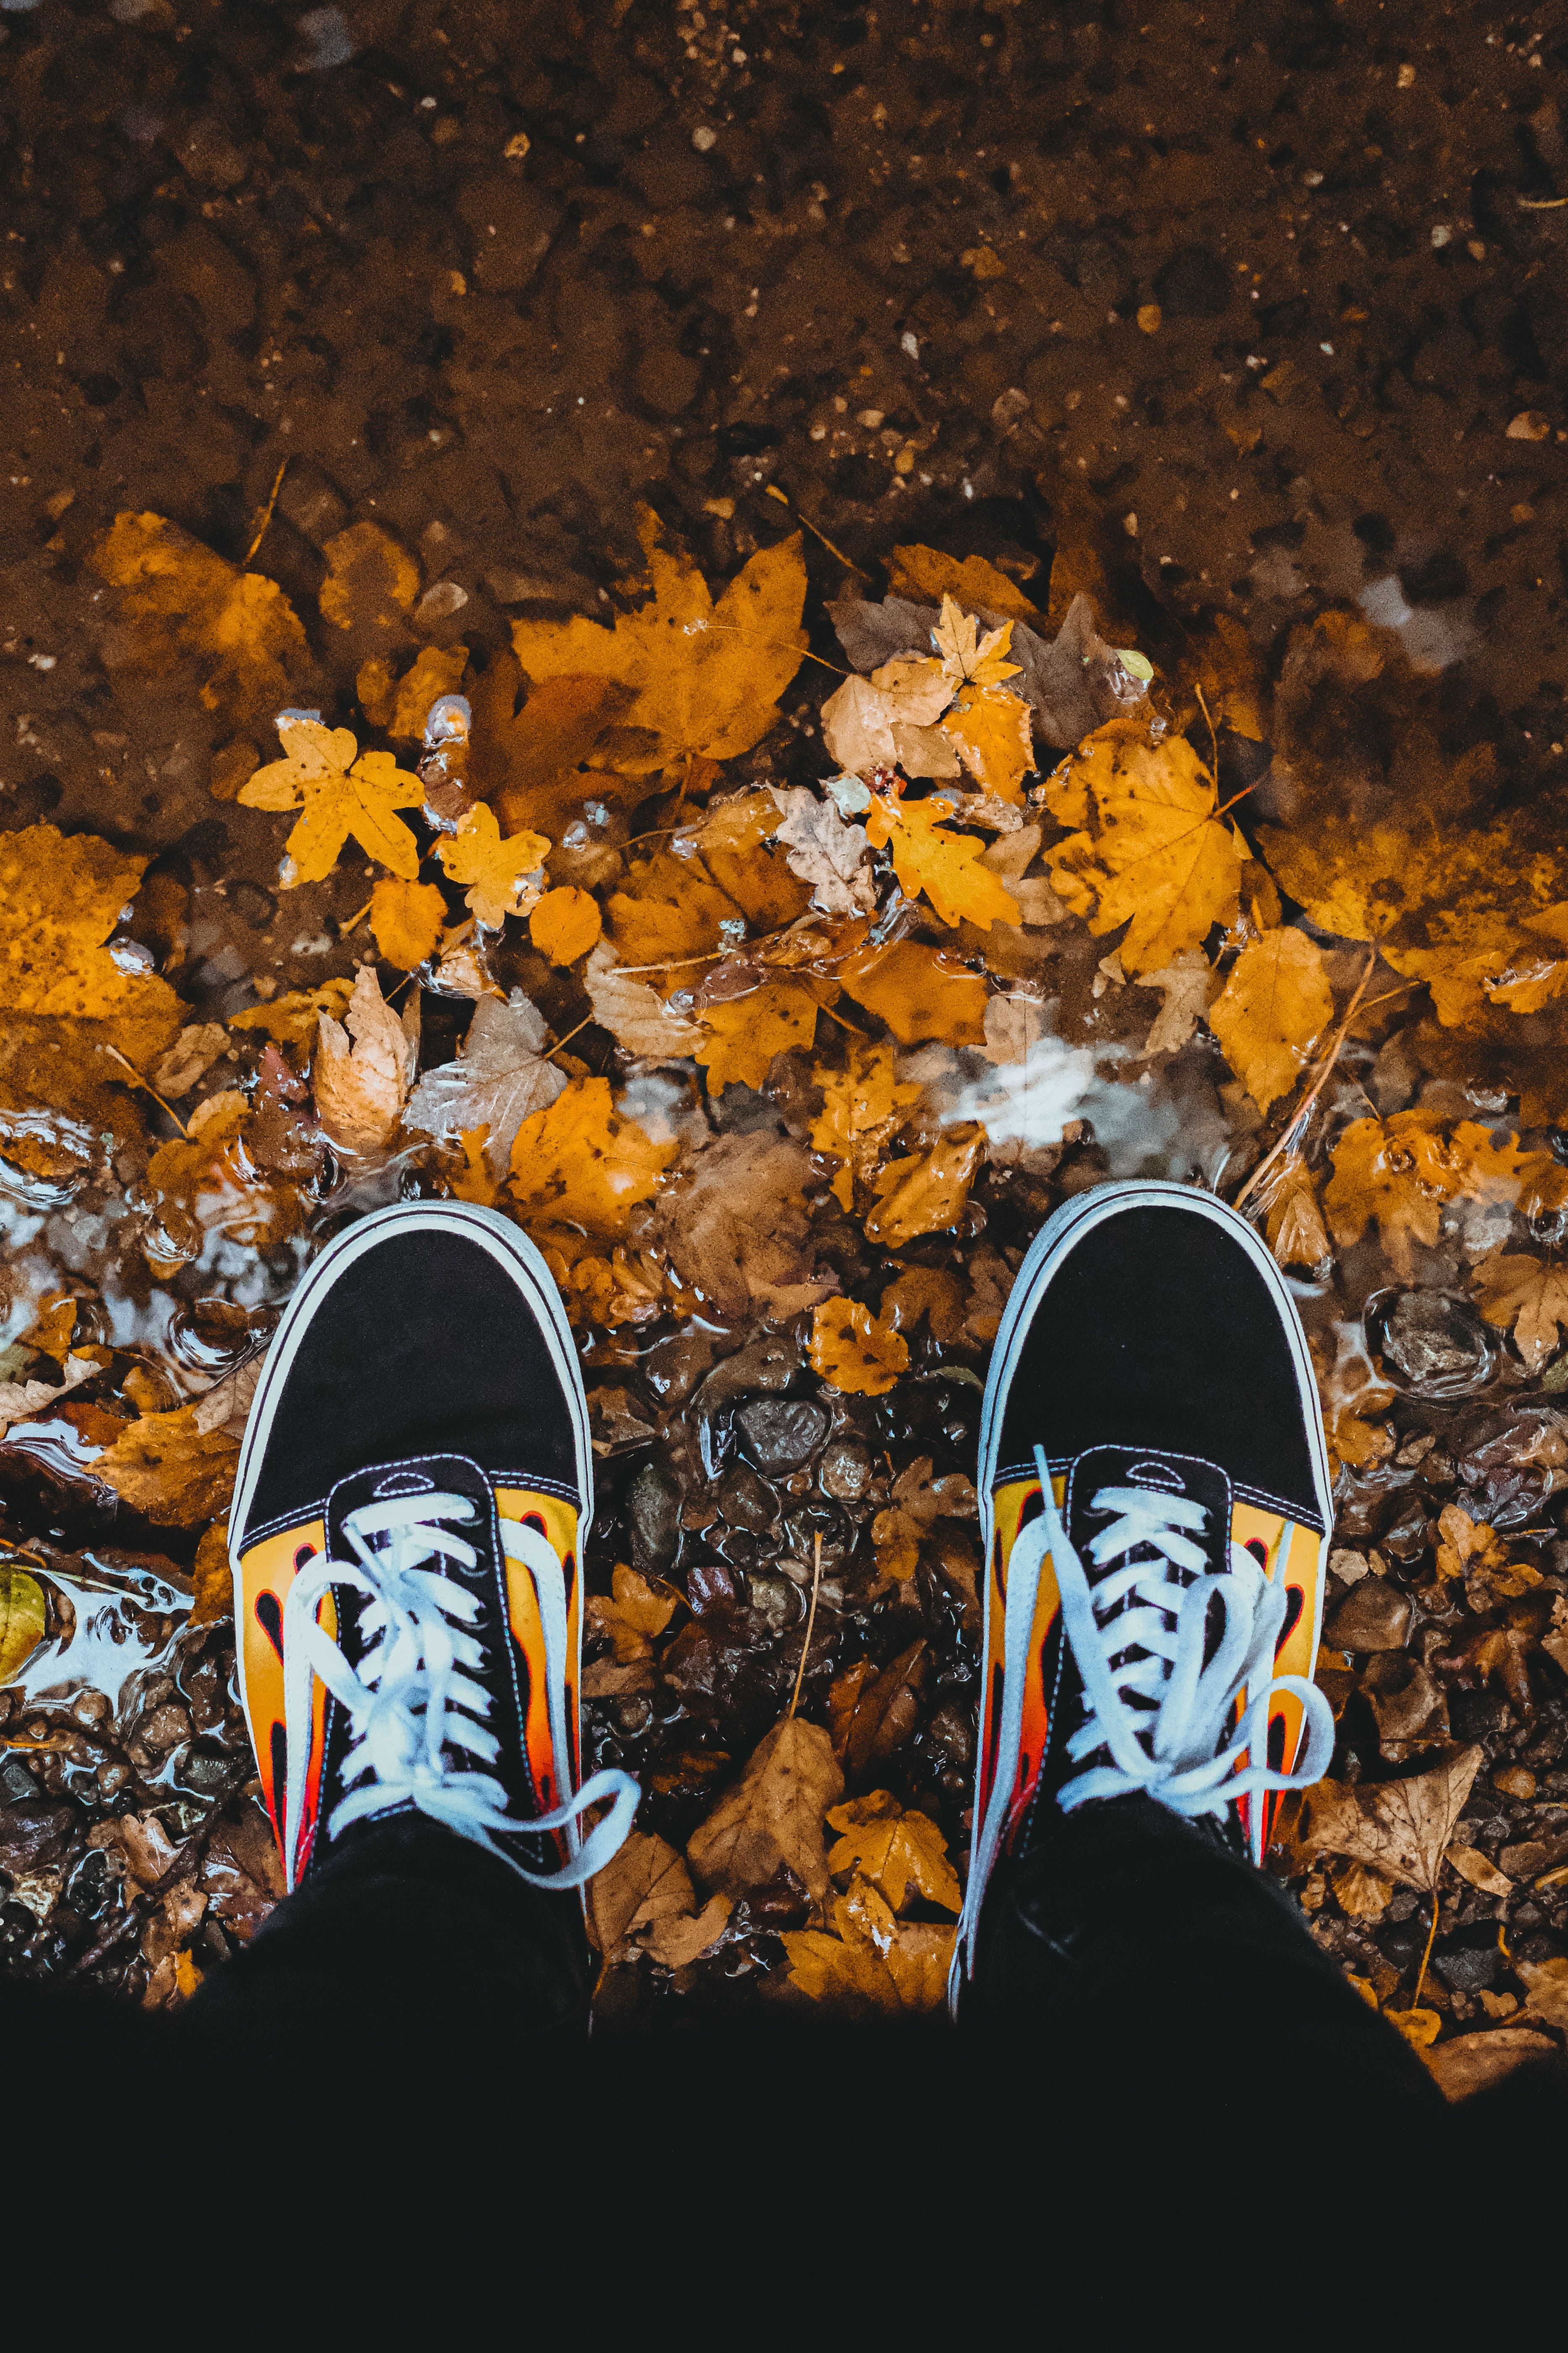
1155	1509
412	1497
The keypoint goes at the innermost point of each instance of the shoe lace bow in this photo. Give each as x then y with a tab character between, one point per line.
416	1702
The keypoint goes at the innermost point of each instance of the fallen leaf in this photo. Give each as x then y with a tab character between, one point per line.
528	762
733	1221
1480	1870
635	1014
861	1107
707	677
930	1292
504	871
1293	1221
946	866
501	1077
860	1355
20	1401
361	1089
1420	2028
294	1018
736	841
182	601
1405	1169
580	1164
1013	1024
1362	1894
1155	853
198	1046
173	1472
1468	2063
875	1966
408	919
894	1851
672	915
633	1615
211	1181
926	572
565	924
1548	1991
24	1619
773	1818
927	1193
212	1577
1400	1828
60	898
825	851
342	794
645	1882
371	583
740	1038
1273	1009
1184	984
920	992
402	705
990	728
885	1711
1527	1295
674	1944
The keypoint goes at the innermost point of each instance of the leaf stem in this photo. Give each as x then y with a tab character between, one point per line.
1330	1059
267	511
138	1080
810	1622
587	1018
1431	1940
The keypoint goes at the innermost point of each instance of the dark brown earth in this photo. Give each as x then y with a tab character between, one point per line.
1258	309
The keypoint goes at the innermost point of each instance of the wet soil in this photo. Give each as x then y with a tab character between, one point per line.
1261	308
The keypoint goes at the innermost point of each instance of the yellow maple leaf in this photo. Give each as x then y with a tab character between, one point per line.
920	992
634	1615
60	898
946	866
927	1193
672	913
499	868
1155	853
1405	1170
342	794
1274	1007
406	920
565	924
922	572
860	1108
894	1851
875	1965
580	1164
294	1018
1527	1295
991	728
740	1036
402	705
860	1353
707	676
968	659
182	600
734	840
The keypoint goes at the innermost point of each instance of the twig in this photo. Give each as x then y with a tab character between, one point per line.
848	562
267	511
1534	204
841	1021
810	1622
138	1080
1322	1079
1431	1940
587	1018
1214	739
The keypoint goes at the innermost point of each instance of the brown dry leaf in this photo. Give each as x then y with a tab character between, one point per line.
635	1014
926	575
925	1194
773	1816
1272	1011
866	722
170	1470
633	1614
740	1036
342	796
565	924
1468	2063
504	871
674	1944
1528	1295
1185	984
1155	853
920	992
734	1223
886	1712
198	1046
406	920
213	1576
1547	1995
401	706
1362	1894
875	1966
644	1883
1293	1221
211	1181
991	730
1400	1828
502	1077
1225	665
895	1851
825	851
930	1292
182	601
371	584
861	1108
294	1018
1404	1170
707	677
361	1089
673	915
860	1355
1480	1870
20	1401
60	900
946	866
24	1618
579	1164
529	761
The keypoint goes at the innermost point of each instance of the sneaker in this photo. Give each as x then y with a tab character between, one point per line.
413	1492
1155	1507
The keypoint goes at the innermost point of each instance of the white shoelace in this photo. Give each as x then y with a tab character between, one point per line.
1169	1745
415	1699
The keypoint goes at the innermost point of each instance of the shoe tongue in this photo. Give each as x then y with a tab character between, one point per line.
1184	1476
414	1479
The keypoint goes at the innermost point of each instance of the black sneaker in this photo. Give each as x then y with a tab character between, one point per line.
412	1493
1156	1505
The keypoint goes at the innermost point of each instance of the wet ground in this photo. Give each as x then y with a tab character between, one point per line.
1230	317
